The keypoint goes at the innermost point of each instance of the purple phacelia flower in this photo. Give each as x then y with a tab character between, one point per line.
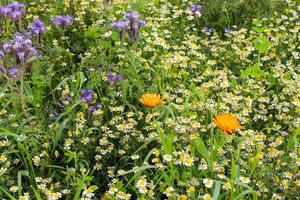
62	21
86	95
132	16
131	25
13	72
112	79
2	53
21	47
15	10
195	8
94	108
37	27
3	11
142	23
121	25
207	30
227	31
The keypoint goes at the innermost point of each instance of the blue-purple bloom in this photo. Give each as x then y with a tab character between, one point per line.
13	72
206	29
62	21
37	27
131	25
132	16
112	79
195	8
227	31
21	47
86	95
121	25
2	53
94	108
15	10
135	25
3	11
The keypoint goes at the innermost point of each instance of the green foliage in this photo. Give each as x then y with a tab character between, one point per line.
54	144
221	14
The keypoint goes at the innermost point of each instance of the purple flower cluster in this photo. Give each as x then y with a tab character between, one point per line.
112	79
132	25
94	108
14	10
13	72
194	8
62	21
37	27
121	25
20	46
86	95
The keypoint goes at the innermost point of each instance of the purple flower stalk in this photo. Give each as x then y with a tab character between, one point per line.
132	16
195	8
15	10
62	21
13	72
131	25
21	47
37	27
135	25
86	95
112	79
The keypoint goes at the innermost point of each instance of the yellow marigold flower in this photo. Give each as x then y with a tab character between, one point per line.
151	100
227	122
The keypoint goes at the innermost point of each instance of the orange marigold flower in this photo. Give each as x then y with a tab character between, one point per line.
227	122
151	100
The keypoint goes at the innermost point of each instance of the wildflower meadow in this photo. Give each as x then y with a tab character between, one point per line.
150	99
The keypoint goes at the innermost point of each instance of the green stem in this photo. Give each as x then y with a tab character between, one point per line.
21	93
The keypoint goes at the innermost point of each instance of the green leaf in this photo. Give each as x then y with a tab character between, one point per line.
81	184
20	174
36	194
93	32
93	188
262	44
7	193
106	45
243	194
217	190
201	148
138	169
259	30
234	170
166	141
59	133
115	36
253	71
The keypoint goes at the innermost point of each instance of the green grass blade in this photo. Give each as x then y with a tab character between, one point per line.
217	191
